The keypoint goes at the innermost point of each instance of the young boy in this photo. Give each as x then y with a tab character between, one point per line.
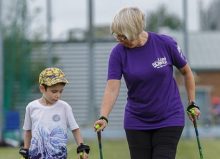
47	119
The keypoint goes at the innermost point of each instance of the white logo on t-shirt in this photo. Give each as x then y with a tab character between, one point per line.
180	52
160	62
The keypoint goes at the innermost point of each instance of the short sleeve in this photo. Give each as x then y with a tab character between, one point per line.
114	65
178	58
71	122
27	120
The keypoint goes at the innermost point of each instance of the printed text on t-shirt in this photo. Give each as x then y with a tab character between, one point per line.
160	62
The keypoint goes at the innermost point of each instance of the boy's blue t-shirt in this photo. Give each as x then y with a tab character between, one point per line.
153	98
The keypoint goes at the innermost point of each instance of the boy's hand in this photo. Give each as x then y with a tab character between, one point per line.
23	152
83	155
83	151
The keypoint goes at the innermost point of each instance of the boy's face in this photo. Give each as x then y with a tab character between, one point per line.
52	94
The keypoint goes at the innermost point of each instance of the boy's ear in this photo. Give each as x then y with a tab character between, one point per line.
42	88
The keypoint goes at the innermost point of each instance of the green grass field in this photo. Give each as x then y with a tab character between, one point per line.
117	149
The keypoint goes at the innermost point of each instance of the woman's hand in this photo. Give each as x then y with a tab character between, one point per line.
100	124
193	112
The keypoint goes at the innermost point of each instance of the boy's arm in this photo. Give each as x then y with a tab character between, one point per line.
24	151
77	136
27	138
81	148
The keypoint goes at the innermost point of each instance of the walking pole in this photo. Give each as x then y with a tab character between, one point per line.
100	142
197	137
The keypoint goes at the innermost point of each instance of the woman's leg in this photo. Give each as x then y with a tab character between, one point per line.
139	143
165	141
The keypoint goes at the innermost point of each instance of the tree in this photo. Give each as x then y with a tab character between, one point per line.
209	19
20	72
161	18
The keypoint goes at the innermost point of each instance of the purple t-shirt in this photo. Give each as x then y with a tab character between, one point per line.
153	99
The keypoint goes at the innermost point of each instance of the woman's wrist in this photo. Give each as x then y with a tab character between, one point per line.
104	118
191	105
191	102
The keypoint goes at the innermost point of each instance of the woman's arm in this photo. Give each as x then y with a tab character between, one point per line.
110	96
190	89
189	82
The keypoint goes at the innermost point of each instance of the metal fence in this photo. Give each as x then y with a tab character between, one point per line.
73	60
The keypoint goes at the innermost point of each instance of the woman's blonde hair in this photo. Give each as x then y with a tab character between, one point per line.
129	21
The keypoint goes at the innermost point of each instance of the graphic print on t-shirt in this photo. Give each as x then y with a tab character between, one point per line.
56	117
180	52
160	62
48	144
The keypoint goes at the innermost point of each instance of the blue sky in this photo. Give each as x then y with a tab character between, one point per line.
69	14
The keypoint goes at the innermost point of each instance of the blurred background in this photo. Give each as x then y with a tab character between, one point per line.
75	36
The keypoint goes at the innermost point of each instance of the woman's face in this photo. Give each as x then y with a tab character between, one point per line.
127	43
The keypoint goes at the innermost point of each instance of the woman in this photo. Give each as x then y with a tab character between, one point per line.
154	114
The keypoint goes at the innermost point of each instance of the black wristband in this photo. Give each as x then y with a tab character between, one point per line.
83	148
103	118
24	152
192	105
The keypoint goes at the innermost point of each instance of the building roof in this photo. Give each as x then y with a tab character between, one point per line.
204	49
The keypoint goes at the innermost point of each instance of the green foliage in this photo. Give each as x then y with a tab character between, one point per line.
209	16
19	69
16	65
161	18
